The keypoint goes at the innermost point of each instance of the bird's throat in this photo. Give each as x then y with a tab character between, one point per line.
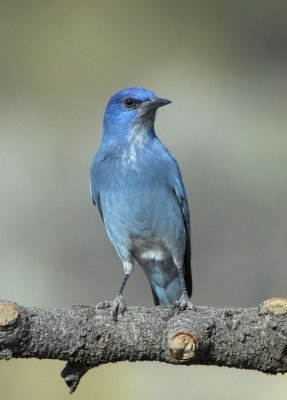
137	137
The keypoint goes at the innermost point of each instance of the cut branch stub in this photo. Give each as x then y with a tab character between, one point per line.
183	346
9	314
275	305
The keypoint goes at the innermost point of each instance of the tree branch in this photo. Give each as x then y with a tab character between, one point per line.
86	337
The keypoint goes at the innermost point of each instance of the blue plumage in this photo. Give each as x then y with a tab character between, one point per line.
136	185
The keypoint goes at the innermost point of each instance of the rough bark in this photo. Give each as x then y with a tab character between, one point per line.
86	337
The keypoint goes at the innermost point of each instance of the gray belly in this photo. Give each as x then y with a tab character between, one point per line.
146	223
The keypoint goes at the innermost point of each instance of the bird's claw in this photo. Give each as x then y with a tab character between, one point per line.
118	307
184	304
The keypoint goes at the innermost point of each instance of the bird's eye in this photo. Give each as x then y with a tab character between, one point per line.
130	103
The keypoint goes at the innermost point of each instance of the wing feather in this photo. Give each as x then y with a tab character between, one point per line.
179	191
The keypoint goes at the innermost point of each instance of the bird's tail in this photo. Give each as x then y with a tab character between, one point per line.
168	295
164	281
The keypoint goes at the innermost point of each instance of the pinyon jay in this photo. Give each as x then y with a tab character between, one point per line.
137	187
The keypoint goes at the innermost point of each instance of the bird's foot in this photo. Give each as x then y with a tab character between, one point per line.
104	304
118	307
184	304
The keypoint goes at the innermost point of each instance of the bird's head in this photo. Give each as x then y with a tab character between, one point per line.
130	108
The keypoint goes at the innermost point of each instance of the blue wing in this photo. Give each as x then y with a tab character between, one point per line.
180	194
94	189
182	201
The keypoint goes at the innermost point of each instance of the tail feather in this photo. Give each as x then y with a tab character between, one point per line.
167	295
155	298
164	281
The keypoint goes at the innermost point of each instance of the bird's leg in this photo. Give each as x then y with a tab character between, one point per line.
183	303
118	304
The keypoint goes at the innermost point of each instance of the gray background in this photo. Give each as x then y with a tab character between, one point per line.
224	66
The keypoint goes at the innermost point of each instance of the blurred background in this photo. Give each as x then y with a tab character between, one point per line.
224	66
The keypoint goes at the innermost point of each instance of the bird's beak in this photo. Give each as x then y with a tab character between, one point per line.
154	104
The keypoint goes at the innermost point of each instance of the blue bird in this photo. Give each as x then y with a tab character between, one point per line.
137	187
